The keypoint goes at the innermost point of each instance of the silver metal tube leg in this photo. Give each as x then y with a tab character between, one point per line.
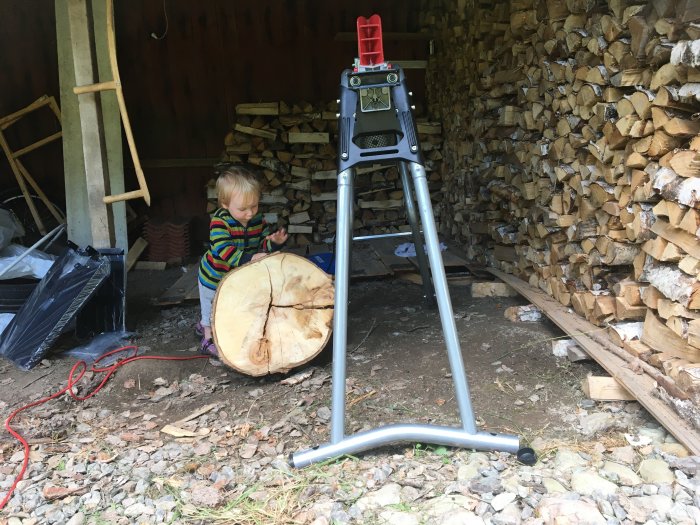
442	294
412	216
391	434
343	236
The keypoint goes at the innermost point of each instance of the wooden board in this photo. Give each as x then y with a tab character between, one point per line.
151	265
453	263
600	388
366	263
135	252
184	289
640	386
479	271
385	248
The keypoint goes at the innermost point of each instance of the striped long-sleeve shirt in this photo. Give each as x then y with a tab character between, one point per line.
231	244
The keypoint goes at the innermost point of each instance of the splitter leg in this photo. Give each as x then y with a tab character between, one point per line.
454	353
343	238
412	217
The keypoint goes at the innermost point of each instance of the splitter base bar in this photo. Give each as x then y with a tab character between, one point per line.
393	434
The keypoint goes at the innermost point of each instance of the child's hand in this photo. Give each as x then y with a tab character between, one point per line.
279	237
257	256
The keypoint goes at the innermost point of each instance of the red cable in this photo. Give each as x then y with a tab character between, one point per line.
108	370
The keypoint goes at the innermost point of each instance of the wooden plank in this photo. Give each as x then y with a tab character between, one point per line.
135	252
365	263
308	138
263	133
151	265
10	119
185	288
640	386
37	144
204	162
411	64
451	262
385	250
478	271
601	388
260	108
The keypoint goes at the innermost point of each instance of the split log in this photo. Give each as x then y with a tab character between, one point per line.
681	163
673	283
674	188
684	240
694	333
272	315
662	339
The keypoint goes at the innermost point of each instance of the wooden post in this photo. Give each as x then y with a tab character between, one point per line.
96	173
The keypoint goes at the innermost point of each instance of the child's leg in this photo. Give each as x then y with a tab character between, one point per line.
206	299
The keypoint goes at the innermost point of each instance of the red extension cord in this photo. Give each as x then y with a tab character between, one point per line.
79	368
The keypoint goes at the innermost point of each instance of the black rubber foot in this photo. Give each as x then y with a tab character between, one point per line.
526	456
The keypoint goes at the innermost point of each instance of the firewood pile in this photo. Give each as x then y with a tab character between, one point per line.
572	158
294	145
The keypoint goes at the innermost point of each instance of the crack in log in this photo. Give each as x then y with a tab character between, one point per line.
264	339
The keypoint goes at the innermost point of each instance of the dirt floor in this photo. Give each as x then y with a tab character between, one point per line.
398	370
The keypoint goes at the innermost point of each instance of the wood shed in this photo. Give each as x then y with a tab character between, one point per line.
561	140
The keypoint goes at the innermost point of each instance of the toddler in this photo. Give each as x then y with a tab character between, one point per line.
237	234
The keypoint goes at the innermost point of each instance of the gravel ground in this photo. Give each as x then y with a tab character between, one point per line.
190	442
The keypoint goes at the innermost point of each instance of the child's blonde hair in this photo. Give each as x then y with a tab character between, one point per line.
237	179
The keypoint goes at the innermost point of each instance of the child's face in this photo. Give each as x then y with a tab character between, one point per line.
242	207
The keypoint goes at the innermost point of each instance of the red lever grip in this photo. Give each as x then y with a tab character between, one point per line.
369	40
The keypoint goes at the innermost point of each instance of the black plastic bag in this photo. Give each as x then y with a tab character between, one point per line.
54	303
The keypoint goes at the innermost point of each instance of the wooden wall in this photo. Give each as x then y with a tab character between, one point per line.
181	90
29	70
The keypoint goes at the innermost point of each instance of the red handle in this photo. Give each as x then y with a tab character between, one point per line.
369	40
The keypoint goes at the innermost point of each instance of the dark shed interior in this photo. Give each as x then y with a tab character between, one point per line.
184	67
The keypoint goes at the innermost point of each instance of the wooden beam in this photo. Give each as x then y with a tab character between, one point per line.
135	252
260	108
8	120
94	151
411	64
203	162
37	144
641	386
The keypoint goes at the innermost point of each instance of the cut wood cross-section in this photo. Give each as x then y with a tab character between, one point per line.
272	315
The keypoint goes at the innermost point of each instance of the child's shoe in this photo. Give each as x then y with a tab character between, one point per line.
207	347
199	329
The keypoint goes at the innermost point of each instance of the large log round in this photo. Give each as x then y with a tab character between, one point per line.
273	314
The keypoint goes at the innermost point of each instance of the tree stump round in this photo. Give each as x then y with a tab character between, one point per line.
272	315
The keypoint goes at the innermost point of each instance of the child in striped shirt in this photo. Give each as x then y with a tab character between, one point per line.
237	234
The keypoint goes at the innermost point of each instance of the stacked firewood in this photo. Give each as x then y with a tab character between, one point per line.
572	140
294	146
